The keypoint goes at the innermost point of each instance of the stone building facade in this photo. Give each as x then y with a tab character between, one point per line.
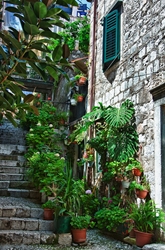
139	75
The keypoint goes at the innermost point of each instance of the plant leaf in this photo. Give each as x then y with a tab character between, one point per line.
40	9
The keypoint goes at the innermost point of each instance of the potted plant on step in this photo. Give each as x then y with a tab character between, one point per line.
48	207
147	219
79	225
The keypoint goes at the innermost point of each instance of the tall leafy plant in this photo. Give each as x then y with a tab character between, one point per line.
115	130
24	48
77	30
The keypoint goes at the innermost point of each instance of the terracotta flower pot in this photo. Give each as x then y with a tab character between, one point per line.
136	172
141	193
48	214
82	80
80	98
142	238
132	233
79	235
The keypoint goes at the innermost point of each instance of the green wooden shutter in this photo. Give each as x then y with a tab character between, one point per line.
111	37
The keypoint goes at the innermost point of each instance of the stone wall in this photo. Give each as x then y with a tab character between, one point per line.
139	70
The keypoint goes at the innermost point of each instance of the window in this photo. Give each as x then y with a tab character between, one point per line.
111	37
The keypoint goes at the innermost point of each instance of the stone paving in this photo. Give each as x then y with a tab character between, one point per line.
95	240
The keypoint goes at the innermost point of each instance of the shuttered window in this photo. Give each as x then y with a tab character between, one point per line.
111	39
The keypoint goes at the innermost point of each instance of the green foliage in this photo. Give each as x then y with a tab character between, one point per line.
21	49
77	30
115	132
110	219
146	216
90	204
142	185
133	163
46	169
67	193
80	221
49	204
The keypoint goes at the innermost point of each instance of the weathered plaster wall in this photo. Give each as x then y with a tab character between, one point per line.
139	70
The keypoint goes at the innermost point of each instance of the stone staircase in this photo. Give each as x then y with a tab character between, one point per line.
21	215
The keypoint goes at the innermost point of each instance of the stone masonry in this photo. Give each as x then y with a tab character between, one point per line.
140	69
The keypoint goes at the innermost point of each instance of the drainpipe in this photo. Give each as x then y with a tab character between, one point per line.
92	90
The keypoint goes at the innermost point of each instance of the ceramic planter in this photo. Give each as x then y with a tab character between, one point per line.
79	235
136	172
62	224
141	193
80	98
73	102
125	184
48	214
82	80
142	238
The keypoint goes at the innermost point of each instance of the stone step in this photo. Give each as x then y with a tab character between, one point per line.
18	237
30	224
12	163
7	149
13	170
20	184
16	185
21	212
11	177
23	193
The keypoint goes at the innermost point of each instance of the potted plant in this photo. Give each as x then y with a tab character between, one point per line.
109	219
89	203
67	199
79	225
81	79
142	188
147	219
48	207
78	97
134	166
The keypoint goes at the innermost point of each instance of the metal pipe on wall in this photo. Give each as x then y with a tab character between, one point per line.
92	90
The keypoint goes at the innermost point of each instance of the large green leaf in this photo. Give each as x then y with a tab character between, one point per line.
57	53
38	70
40	9
53	11
40	47
10	117
52	72
50	34
66	2
30	16
16	44
30	54
117	117
64	15
31	29
14	33
21	68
